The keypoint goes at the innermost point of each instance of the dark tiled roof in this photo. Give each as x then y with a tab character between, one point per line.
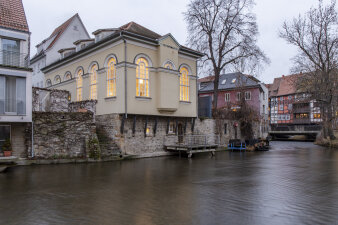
12	15
138	29
225	82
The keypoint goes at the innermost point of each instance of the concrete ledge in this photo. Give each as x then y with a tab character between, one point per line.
11	159
150	155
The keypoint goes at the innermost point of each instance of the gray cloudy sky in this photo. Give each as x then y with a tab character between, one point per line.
165	16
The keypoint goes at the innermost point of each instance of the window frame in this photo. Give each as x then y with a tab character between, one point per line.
142	75
225	97
111	78
79	90
245	95
93	82
184	85
238	96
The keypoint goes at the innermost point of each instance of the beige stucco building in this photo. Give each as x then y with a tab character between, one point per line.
145	85
129	70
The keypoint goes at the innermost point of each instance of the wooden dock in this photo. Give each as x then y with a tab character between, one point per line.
191	144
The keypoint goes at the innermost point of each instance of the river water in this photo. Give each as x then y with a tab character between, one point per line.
293	183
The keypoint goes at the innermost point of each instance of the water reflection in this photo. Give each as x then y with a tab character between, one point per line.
294	183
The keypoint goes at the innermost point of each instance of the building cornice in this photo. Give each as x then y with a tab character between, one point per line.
111	39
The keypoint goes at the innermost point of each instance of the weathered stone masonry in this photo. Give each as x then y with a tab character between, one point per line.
62	135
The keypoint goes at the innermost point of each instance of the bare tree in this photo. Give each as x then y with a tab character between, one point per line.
226	32
316	36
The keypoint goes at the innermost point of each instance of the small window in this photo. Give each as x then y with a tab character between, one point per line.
233	81
247	95
281	107
225	128
316	116
238	96
227	97
171	128
57	79
48	83
148	131
224	81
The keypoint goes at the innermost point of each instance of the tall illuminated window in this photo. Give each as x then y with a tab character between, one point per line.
93	82
142	78
79	83
184	84
111	78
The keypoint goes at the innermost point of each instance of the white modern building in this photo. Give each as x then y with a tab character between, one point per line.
15	76
62	37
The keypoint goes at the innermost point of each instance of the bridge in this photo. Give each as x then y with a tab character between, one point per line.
279	130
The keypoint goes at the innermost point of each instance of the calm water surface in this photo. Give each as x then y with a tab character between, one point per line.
294	183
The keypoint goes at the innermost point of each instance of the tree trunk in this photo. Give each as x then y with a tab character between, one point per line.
329	123
216	82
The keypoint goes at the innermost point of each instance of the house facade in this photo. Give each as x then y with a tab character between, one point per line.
62	37
287	106
15	76
231	88
143	82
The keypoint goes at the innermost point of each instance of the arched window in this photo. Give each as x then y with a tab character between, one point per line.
68	76
111	78
79	83
142	78
184	84
93	82
169	65
48	83
57	79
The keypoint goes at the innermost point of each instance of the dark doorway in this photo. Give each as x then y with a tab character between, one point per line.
180	133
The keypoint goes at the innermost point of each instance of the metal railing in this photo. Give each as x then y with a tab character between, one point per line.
15	59
192	140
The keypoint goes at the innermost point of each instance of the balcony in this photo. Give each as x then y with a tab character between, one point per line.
301	110
13	59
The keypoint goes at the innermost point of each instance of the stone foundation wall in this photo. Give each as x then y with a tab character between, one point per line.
61	135
140	141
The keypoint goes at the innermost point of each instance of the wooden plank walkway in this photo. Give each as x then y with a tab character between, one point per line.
190	150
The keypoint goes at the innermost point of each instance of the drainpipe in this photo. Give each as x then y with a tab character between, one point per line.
33	154
196	89
125	80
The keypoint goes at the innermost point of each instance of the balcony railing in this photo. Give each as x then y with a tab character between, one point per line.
15	59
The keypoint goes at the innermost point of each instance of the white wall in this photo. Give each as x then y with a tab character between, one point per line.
69	36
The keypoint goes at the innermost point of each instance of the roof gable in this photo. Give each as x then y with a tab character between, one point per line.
169	40
138	29
57	33
12	15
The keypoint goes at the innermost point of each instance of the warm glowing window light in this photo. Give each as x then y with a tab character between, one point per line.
93	82
184	84
111	78
142	78
79	85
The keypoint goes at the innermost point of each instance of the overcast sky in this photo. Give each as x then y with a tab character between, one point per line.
165	16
